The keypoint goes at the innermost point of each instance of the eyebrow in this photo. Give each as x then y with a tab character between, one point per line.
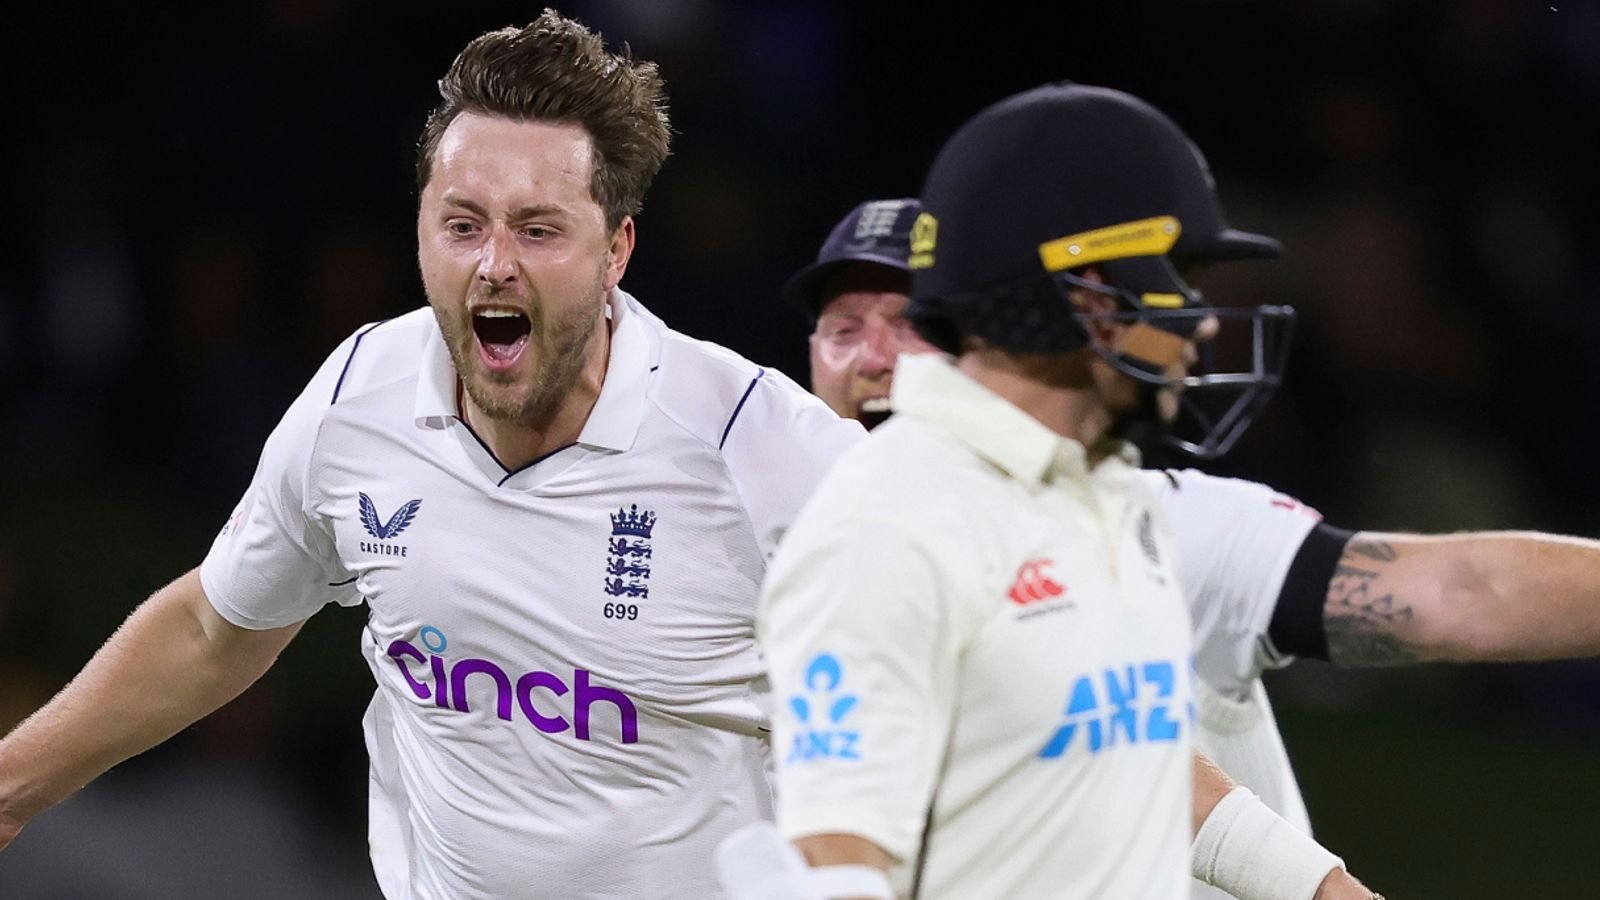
517	215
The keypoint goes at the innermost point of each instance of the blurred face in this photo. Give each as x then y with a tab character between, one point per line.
1100	390
860	333
516	259
1155	349
1160	350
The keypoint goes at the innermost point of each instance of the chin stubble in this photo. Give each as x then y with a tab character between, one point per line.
555	368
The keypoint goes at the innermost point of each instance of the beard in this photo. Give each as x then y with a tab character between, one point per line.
555	353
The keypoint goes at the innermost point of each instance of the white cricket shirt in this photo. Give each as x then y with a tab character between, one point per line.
1235	542
966	614
570	701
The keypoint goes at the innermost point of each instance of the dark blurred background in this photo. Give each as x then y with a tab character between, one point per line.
198	204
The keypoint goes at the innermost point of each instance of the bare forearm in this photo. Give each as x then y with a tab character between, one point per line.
842	849
1211	784
1397	599
1531	596
172	662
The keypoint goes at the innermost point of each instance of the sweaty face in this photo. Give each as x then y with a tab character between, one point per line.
859	335
516	259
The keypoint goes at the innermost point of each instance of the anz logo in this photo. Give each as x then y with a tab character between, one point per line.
1132	704
822	712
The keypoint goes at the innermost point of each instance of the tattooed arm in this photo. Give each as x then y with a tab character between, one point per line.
1490	596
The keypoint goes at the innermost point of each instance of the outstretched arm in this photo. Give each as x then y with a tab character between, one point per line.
1490	596
172	662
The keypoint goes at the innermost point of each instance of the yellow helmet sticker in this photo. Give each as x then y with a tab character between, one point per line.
1162	301
924	234
1146	237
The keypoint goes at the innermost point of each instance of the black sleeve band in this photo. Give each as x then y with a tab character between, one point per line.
1296	627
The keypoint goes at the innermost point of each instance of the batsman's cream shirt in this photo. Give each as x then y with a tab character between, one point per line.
570	701
967	615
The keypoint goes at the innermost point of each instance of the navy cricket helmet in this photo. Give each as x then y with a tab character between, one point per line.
1045	183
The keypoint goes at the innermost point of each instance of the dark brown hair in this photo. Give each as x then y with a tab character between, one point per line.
556	70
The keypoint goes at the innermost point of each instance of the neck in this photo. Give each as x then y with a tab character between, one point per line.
516	443
1055	389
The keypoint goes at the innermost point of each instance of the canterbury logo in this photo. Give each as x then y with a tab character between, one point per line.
1034	584
400	521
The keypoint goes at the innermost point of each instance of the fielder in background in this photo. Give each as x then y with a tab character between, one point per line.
975	626
1265	578
855	297
557	510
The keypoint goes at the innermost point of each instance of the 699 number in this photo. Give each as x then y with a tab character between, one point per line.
629	611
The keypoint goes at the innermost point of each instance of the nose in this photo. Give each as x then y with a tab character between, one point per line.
497	267
879	349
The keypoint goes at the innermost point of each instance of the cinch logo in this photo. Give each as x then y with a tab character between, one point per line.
627	568
378	528
1131	706
821	715
448	689
1034	584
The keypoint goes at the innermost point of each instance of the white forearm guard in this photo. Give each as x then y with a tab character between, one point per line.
1249	851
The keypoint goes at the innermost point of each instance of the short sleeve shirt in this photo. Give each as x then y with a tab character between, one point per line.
1235	542
569	691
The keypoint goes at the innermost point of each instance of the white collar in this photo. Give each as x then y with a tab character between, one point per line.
928	386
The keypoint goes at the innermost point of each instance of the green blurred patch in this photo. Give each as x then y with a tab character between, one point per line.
1427	804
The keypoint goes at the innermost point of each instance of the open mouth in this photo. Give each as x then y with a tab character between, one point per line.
873	412
502	335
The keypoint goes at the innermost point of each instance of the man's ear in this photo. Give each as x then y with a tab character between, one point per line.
619	252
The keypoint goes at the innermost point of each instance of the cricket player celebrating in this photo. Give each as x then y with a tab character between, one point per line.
557	510
855	295
976	626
